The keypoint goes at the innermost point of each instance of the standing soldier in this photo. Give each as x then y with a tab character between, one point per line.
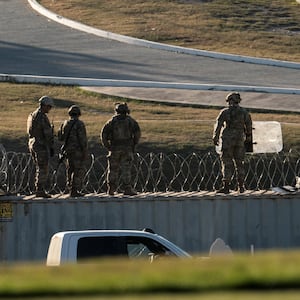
119	136
237	125
73	134
41	140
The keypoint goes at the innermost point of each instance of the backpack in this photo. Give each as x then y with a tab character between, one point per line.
121	129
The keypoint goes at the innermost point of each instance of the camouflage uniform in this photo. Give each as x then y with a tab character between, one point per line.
40	143
73	133
237	125
120	136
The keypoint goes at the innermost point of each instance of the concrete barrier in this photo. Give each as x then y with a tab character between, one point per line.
192	221
145	84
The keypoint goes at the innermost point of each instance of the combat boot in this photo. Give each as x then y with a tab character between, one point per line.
111	189
74	193
241	187
224	189
42	194
67	190
129	191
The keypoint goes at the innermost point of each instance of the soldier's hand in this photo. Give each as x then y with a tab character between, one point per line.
107	146
248	139
216	141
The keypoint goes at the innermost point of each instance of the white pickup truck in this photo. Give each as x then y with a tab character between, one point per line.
74	246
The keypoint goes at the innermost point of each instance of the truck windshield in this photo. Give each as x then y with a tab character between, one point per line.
130	246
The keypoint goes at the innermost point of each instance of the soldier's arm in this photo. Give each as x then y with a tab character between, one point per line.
220	124
248	125
137	132
48	132
61	132
105	136
82	137
29	125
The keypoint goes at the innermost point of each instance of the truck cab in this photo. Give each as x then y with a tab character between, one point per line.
76	246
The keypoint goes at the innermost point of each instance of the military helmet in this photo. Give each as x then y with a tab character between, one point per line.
74	110
122	108
235	97
45	100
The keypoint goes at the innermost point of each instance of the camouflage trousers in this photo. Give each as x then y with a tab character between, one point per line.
75	170
41	160
232	158
119	165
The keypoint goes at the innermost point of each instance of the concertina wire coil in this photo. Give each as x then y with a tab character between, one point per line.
154	172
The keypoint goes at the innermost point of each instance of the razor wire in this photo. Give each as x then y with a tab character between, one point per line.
3	168
154	172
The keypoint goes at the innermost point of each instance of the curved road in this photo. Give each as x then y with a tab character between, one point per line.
31	44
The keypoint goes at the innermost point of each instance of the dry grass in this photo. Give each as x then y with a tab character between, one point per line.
246	26
223	277
17	101
164	127
257	28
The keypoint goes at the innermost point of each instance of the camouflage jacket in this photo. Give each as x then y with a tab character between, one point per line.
236	122
40	131
119	132
76	139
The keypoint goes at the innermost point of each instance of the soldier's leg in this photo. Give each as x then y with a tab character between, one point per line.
42	169
227	169
37	171
71	184
239	158
77	175
113	160
69	174
126	163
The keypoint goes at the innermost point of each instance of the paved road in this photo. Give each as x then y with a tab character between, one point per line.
31	44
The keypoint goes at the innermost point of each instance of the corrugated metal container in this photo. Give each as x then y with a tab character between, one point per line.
190	220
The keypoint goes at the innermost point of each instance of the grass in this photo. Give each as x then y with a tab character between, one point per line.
247	27
268	272
160	123
278	295
257	28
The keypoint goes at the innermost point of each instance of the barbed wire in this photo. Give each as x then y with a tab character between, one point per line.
154	172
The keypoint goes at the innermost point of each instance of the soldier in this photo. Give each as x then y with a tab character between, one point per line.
237	125
119	136
73	133
40	144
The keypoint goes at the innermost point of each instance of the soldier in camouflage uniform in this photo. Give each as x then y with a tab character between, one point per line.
237	125
40	144
75	148
119	136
